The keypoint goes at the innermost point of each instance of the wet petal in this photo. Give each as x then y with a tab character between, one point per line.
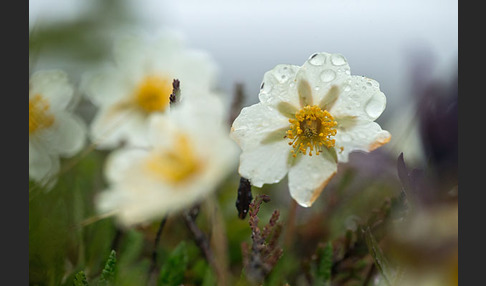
279	85
255	123
322	71
362	136
309	176
305	93
360	97
267	164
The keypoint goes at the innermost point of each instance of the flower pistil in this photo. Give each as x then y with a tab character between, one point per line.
39	115
176	165
311	129
153	93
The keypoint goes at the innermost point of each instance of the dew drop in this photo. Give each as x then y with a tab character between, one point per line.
328	75
282	74
375	106
317	59
338	60
266	87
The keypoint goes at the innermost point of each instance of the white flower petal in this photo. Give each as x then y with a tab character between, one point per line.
256	122
322	71
107	86
360	97
364	136
143	51
138	193
52	85
206	111
111	127
267	164
42	165
70	135
119	163
279	85
309	176
195	70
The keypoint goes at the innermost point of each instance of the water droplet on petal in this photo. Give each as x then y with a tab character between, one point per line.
317	59
338	60
266	87
375	106
328	75
282	74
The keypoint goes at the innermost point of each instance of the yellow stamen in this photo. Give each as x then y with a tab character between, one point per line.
311	129
39	115
152	94
176	165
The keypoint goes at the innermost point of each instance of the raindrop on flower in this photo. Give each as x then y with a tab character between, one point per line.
375	106
266	87
338	60
317	59
328	75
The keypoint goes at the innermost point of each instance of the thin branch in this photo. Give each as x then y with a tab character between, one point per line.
153	265
203	243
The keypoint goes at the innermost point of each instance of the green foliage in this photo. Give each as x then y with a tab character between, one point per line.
174	268
109	272
80	279
322	274
379	258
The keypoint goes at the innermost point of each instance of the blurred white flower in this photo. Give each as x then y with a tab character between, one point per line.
139	84
53	129
308	119
189	155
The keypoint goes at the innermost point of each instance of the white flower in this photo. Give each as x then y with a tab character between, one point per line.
53	129
309	118
139	84
189	155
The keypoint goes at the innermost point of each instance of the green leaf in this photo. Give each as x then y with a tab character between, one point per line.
80	279
174	268
323	271
381	262
108	273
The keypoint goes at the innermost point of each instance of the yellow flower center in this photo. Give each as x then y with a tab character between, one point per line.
153	93
311	129
176	165
39	115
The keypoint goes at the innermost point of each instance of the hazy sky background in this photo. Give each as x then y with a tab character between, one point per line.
381	39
